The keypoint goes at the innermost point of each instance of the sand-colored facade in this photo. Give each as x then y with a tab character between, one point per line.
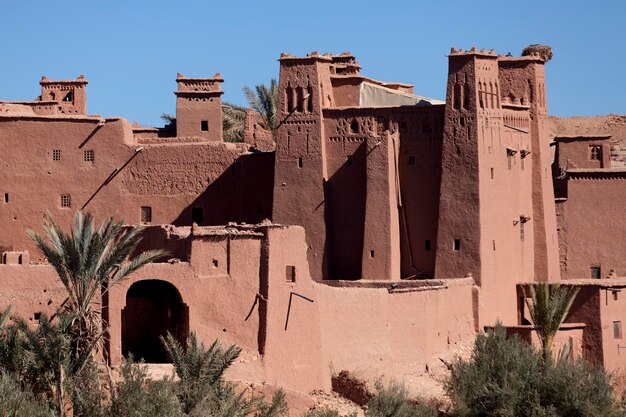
378	230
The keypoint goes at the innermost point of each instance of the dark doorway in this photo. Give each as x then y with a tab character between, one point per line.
197	215
153	308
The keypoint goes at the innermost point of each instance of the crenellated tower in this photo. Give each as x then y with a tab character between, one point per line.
70	95
300	172
199	107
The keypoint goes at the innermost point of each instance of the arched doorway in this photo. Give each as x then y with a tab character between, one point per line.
153	308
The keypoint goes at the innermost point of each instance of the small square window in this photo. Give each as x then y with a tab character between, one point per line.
457	245
56	154
146	214
290	273
204	125
617	329
595	272
88	155
66	201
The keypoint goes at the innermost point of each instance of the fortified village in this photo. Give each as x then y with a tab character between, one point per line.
378	230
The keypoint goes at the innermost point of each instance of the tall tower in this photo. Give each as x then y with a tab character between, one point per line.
70	95
199	107
300	171
524	81
486	219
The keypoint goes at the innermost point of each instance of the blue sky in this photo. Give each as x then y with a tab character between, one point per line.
130	51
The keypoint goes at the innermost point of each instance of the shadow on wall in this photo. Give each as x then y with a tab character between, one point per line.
345	195
243	193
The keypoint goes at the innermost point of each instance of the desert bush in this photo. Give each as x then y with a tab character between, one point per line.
327	412
505	378
16	401
138	396
392	400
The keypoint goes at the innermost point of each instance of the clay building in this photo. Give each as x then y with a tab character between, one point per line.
380	221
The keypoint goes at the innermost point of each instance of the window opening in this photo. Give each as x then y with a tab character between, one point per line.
372	253
457	245
300	163
521	231
595	152
204	125
6	197
88	156
427	245
290	273
354	127
595	272
66	201
617	329
56	154
69	97
197	215
146	214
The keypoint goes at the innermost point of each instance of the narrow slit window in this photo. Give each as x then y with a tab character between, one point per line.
66	201
521	231
88	155
457	245
146	214
372	253
595	272
492	176
56	154
204	125
197	215
290	273
6	197
427	245
300	163
617	329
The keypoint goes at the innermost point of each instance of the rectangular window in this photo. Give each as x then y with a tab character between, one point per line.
427	245
88	155
6	197
595	152
66	201
595	272
521	231
56	154
204	125
457	245
146	214
300	163
197	215
492	173
290	273
617	329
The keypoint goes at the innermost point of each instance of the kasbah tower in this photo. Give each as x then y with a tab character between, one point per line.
378	232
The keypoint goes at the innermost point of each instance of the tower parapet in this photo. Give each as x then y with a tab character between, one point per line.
199	107
70	95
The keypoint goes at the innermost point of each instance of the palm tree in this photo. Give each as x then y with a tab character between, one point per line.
264	100
549	306
89	261
233	121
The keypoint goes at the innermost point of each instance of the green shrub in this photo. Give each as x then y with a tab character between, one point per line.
504	378
326	412
393	401
137	396
18	402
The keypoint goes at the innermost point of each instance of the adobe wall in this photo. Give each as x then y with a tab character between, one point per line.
170	178
377	329
588	238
